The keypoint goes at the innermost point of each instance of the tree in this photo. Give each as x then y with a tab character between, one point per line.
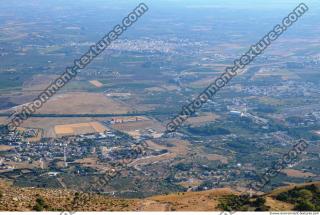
305	194
262	208
40	204
234	203
305	205
37	207
313	188
260	201
283	197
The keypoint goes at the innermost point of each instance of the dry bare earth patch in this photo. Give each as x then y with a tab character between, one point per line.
83	103
177	147
96	83
5	148
72	103
203	119
48	124
38	82
79	129
193	201
297	173
216	157
3	120
276	205
135	129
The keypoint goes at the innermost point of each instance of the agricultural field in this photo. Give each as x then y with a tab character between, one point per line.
79	129
216	157
6	148
138	128
82	103
96	83
204	118
3	120
298	173
174	145
284	74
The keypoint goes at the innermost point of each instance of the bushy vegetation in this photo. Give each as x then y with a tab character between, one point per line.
234	203
183	166
40	205
209	130
305	199
243	203
259	204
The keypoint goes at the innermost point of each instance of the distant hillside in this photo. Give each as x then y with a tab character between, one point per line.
293	197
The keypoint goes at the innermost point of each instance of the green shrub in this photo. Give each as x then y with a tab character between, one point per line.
305	194
283	197
40	204
262	208
234	203
37	207
260	201
305	205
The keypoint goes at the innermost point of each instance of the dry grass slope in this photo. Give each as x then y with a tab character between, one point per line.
23	199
